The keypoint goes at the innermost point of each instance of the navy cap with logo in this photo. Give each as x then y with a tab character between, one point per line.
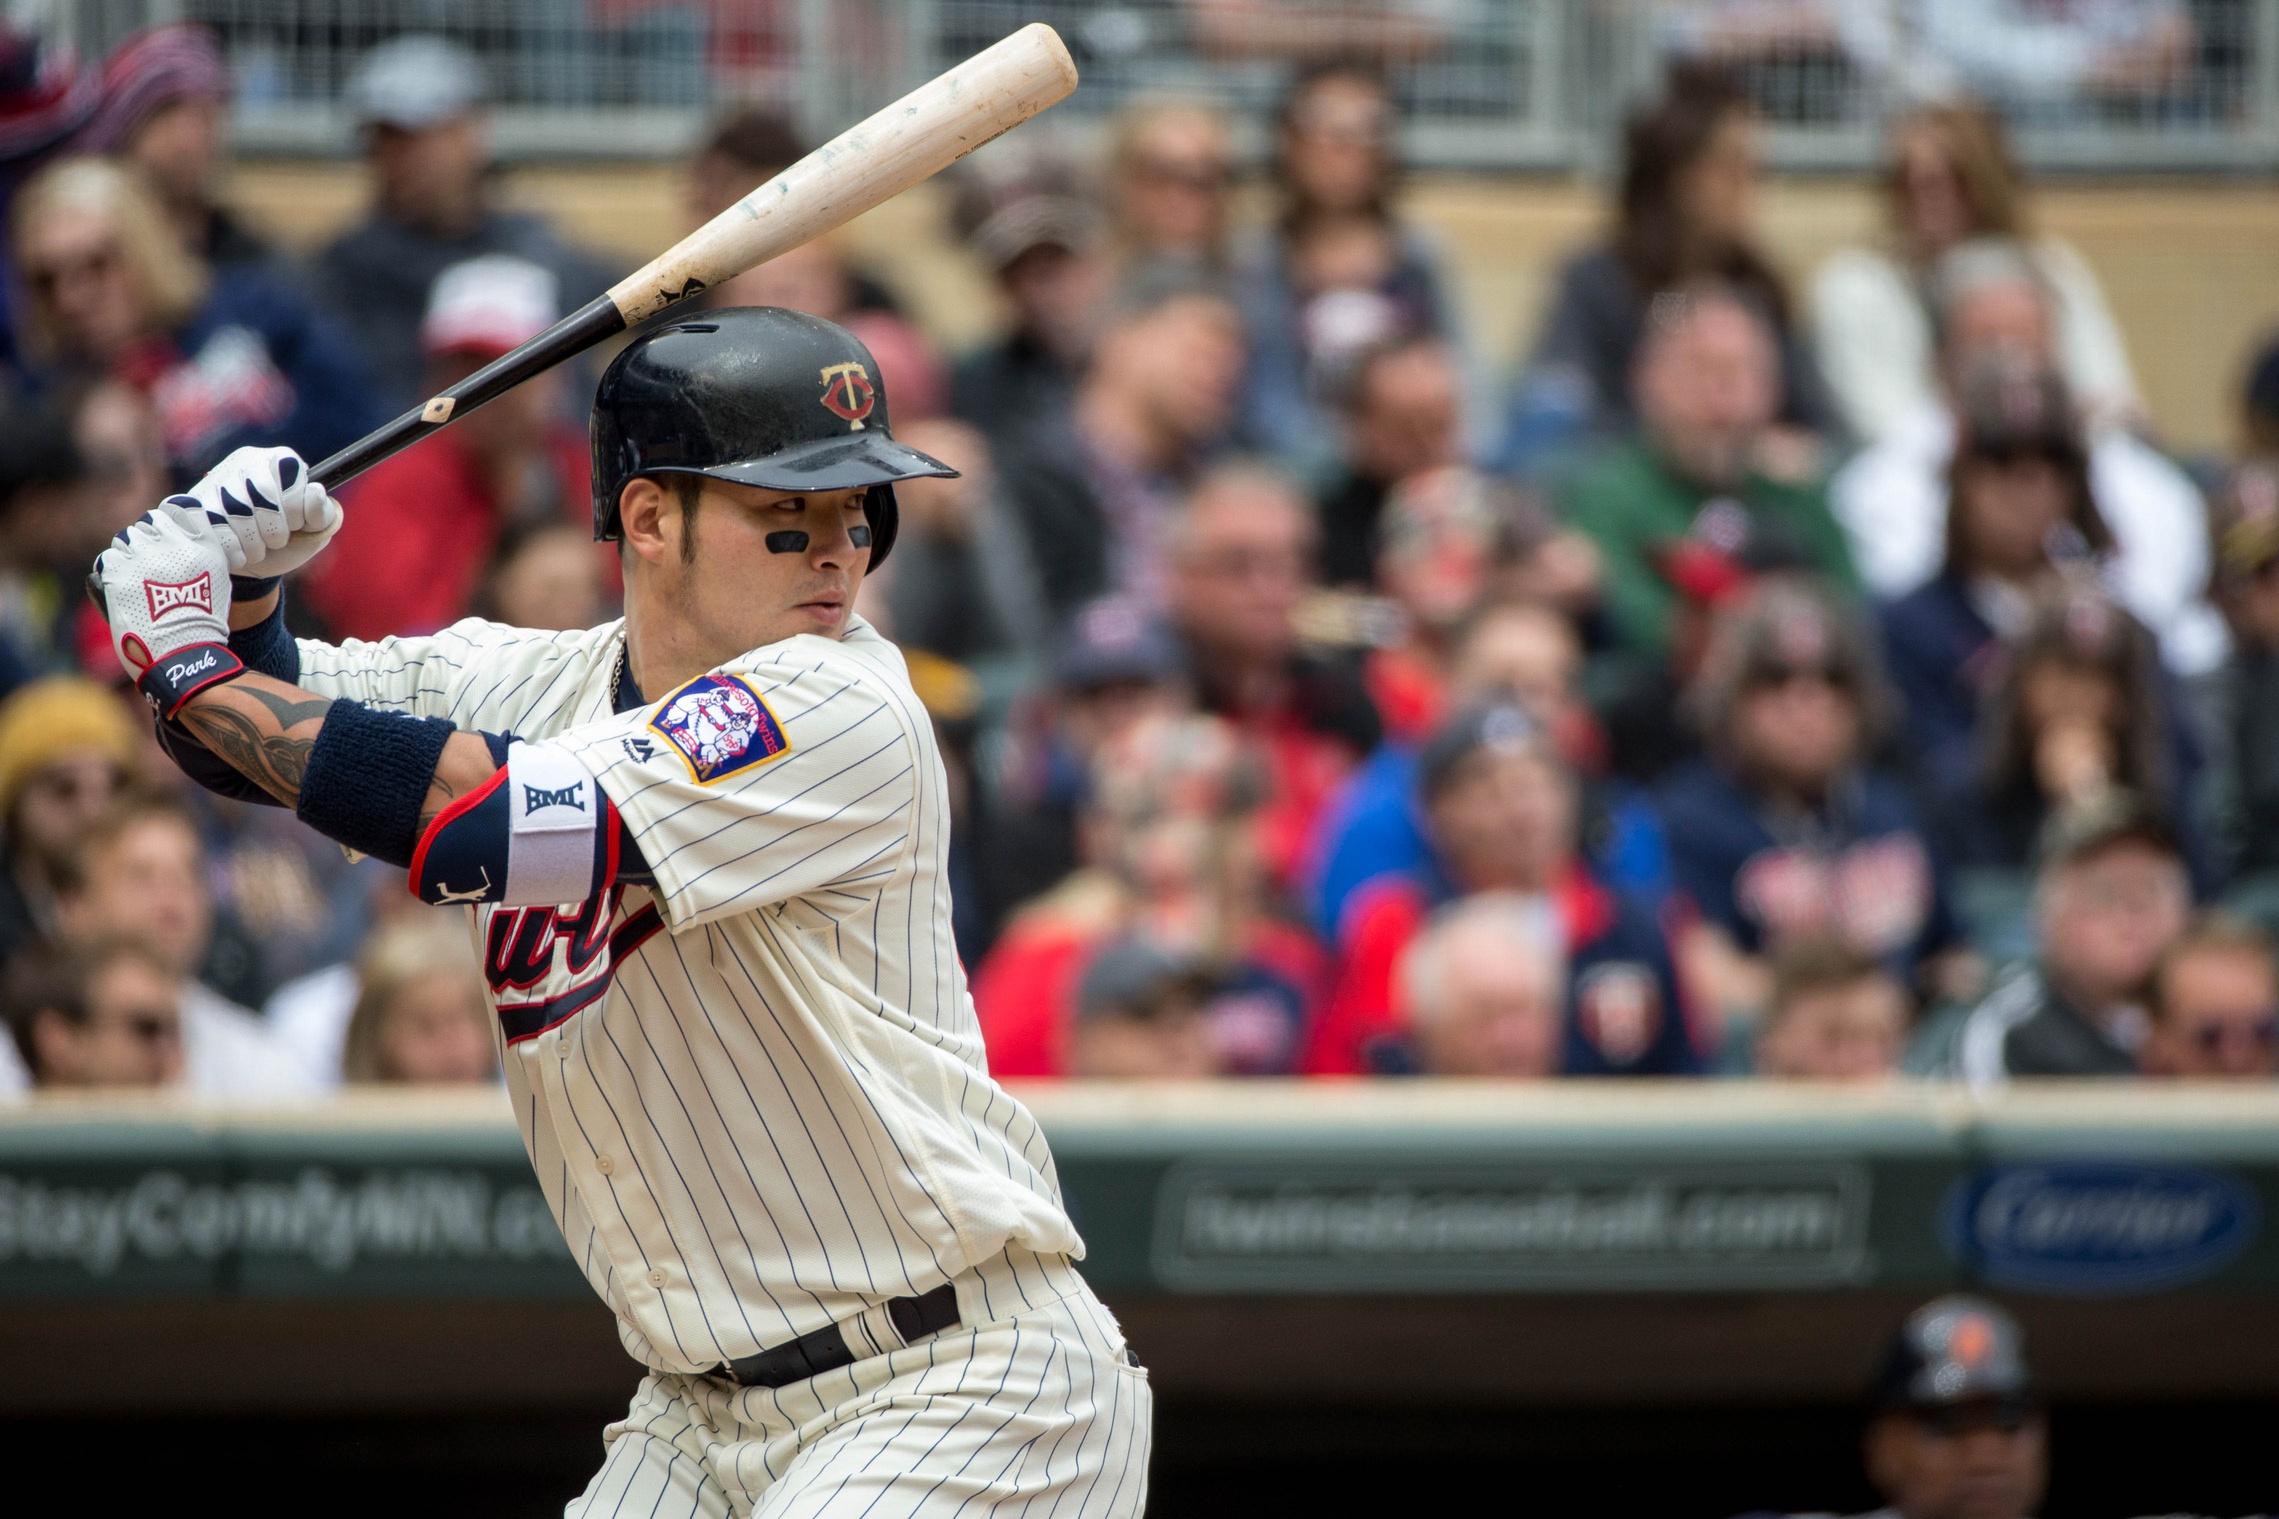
754	395
1955	1349
1500	729
1112	639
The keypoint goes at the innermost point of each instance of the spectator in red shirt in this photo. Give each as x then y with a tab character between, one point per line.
421	527
1167	841
1481	986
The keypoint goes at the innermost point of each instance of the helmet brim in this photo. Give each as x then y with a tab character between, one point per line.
828	465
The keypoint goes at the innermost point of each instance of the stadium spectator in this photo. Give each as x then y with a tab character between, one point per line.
166	94
545	575
49	525
1950	179
1169	857
1094	488
1699	497
1686	214
1338	271
1833	1015
139	871
1436	547
419	1015
1500	815
2245	529
1402	406
1115	667
1958	1430
46	98
2063	60
1785	828
229	356
1170	178
65	744
420	527
964	581
1237	551
1041	237
418	105
1140	1016
2081	708
2215	1004
744	149
103	1015
1480	988
1990	306
2110	898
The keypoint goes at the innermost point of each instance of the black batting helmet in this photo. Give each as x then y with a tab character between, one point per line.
755	395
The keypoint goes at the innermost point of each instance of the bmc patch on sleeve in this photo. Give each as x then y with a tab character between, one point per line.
720	726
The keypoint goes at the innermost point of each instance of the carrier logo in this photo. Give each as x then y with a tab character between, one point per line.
2098	1228
848	392
536	797
197	594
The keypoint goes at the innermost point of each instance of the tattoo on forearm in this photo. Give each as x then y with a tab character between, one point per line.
289	712
271	760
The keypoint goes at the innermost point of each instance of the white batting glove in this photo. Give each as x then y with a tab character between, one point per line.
166	591
264	510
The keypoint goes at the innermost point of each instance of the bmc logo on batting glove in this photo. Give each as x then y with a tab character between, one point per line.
187	595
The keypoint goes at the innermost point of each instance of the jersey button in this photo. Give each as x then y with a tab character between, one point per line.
604	1164
656	1276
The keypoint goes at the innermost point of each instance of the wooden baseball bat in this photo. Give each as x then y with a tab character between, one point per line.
924	132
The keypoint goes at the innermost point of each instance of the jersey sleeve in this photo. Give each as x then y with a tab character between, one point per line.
424	676
762	782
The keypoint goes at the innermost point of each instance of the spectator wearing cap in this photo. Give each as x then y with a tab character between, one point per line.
1991	307
1520	652
1784	829
1095	487
2082	707
166	94
1038	232
1237	554
418	105
1480	988
102	1016
1140	1016
1116	667
421	526
1958	1429
1833	1015
2111	894
65	744
2215	1004
1500	813
1697	500
1339	270
1169	857
2245	523
1170	182
230	356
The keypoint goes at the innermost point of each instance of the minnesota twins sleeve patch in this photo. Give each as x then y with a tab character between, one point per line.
720	725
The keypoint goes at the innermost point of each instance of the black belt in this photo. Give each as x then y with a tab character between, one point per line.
826	1349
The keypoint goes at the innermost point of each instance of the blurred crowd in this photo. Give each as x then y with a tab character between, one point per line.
1827	680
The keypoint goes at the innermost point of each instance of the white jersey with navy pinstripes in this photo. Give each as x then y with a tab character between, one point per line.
755	1096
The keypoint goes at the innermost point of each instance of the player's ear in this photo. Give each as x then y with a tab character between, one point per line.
642	508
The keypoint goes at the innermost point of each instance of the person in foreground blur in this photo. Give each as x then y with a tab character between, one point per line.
1834	1015
2110	897
419	1014
422	525
1685	215
65	744
1500	812
107	1014
1959	1431
1481	987
2215	1004
165	110
418	103
1698	499
230	355
1095	488
1951	179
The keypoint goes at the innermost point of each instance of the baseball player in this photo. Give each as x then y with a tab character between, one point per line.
703	848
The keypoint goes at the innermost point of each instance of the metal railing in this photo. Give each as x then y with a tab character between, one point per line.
1536	84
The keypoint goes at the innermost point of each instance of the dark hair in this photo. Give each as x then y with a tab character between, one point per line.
2079	625
57	979
36	447
1352	68
1660	144
1352	390
755	138
2007	410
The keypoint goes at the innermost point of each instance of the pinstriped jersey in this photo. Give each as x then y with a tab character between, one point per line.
755	1095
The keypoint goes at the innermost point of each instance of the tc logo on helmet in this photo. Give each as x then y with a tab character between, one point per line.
848	392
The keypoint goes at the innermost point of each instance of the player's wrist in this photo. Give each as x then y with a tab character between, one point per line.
173	679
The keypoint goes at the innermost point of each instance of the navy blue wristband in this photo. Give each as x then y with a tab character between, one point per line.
266	647
252	587
367	778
